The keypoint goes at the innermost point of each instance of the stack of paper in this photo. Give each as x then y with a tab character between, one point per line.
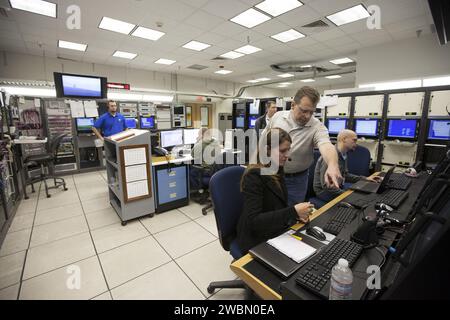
294	248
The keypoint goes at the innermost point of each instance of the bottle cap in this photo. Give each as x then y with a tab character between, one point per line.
343	263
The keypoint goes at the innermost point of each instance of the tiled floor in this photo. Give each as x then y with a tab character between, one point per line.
72	246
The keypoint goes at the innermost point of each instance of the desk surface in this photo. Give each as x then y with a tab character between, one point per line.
29	141
157	161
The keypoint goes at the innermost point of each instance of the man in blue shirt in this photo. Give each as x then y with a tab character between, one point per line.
109	123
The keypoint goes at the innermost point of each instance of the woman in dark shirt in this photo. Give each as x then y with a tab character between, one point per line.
266	213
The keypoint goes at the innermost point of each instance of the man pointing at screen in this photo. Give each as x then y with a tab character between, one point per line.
109	123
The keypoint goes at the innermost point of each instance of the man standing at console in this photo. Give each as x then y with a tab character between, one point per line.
109	123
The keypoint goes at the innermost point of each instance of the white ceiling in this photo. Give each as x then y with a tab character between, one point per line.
207	21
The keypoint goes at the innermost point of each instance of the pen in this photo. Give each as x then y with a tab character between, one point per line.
297	237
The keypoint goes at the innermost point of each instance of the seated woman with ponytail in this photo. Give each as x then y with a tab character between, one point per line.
266	213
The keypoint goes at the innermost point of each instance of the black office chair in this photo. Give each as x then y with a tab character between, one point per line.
310	194
358	161
47	160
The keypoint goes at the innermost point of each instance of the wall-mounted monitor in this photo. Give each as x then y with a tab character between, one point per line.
404	129
439	129
171	138
252	121
240	122
190	136
147	122
79	86
366	127
336	125
130	123
84	125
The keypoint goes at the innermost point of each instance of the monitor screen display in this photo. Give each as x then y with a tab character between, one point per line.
254	108
366	127
171	138
190	136
147	122
402	128
240	122
252	121
178	110
439	130
79	86
85	124
130	123
336	125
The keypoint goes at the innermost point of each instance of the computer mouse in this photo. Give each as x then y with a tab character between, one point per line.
316	233
345	204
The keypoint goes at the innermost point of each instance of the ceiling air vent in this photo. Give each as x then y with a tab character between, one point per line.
219	58
316	24
197	67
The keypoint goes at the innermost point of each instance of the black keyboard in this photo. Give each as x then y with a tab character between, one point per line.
339	220
400	182
315	275
392	197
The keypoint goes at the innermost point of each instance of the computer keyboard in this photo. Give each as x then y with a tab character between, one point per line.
400	182
340	219
315	275
392	197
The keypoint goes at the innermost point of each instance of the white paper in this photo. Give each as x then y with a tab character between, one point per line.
137	189
327	101
295	249
204	116
98	143
134	156
135	173
37	102
77	109
90	108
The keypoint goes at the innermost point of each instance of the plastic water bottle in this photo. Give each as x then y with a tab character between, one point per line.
341	281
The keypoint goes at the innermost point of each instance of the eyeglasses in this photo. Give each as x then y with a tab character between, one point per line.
304	111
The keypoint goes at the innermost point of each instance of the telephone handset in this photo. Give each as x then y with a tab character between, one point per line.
160	151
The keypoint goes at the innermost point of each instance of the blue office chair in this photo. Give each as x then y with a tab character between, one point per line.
310	194
358	161
228	203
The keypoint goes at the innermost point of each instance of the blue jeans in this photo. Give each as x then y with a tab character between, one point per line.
296	188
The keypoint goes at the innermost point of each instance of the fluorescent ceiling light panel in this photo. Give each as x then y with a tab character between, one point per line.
116	25
197	46
349	15
263	79
250	18
341	61
285	83
306	66
248	49
125	55
165	61
277	7
232	55
288	35
308	80
336	76
72	45
33	92
44	8
252	81
438	81
285	75
393	85
223	71
147	33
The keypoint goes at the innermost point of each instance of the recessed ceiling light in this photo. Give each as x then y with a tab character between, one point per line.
285	75
44	8
250	18
285	83
125	55
248	49
349	15
72	45
263	79
308	80
232	55
341	61
147	33
277	7
282	86
252	81
197	46
223	71
165	61
336	76
306	66
288	35
116	25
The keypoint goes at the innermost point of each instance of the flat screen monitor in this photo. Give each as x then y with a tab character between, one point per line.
147	122
240	122
366	127
178	110
439	130
171	138
252	121
228	144
190	136
254	108
84	125
336	125
79	86
402	129
130	123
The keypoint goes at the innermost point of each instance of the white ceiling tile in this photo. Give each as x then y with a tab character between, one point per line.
228	29
248	35
299	16
407	24
326	7
328	35
271	27
225	9
204	20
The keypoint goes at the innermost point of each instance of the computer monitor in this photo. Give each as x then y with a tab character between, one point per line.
439	129
228	144
131	123
366	127
147	122
252	121
171	138
84	125
402	129
336	125
190	136
240	122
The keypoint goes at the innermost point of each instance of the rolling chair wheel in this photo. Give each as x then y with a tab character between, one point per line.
210	290
124	223
204	211
65	189
151	215
49	195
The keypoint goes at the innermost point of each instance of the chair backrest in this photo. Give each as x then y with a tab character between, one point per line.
225	190
54	144
310	192
358	161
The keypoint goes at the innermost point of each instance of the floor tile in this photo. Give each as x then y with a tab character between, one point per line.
26	207
112	236
92	178
9	293
89	192
193	210
58	230
21	222
209	223
62	284
57	254
62	198
207	264
15	242
57	214
11	269
229	294
183	238
103	296
131	260
102	218
165	283
164	221
95	204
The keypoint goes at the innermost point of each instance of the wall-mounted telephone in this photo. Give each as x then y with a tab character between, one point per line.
160	151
